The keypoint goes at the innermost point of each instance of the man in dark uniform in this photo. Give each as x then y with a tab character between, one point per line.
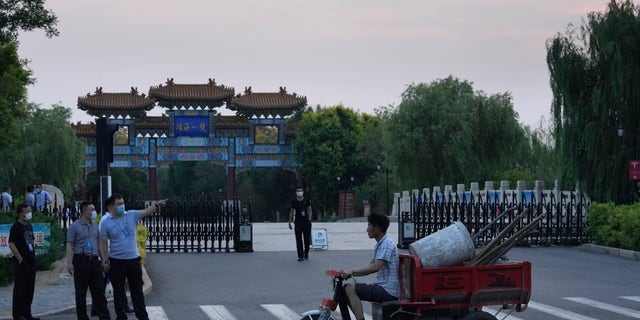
301	210
21	244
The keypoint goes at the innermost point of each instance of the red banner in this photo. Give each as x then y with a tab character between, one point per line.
634	170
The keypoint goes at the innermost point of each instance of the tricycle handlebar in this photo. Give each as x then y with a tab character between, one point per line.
333	273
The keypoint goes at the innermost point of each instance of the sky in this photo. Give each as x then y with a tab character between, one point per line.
359	53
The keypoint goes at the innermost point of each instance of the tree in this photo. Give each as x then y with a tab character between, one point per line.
446	133
595	79
26	15
14	77
47	151
329	145
189	178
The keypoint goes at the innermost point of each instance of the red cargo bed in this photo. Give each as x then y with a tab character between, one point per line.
464	286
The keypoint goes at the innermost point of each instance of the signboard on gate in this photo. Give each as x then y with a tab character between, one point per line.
634	170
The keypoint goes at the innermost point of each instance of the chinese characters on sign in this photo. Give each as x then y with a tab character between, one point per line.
41	234
191	126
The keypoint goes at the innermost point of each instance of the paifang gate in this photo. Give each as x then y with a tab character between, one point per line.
190	129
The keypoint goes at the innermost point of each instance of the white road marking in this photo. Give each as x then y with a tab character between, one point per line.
157	313
502	315
281	311
217	312
557	312
605	306
632	298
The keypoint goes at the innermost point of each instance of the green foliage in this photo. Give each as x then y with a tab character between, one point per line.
445	132
615	226
48	151
142	235
190	178
44	261
270	190
595	79
130	183
330	144
14	78
25	15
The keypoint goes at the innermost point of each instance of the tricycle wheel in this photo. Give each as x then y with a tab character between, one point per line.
479	315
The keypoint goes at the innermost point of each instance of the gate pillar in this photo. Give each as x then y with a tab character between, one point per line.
153	183
231	183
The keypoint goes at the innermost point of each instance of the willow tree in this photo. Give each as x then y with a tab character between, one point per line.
595	79
444	132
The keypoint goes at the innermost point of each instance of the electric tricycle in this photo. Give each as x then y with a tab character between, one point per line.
450	293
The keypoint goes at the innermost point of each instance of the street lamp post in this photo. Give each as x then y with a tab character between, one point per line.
387	174
340	213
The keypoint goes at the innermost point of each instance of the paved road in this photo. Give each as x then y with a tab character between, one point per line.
568	283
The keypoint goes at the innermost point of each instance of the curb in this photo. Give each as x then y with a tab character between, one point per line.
623	253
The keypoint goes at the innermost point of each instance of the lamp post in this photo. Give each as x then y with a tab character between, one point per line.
387	174
620	132
339	198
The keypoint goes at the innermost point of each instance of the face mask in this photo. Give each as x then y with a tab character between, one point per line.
121	209
299	193
94	214
37	190
27	216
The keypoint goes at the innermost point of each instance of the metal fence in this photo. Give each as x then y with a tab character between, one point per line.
203	224
486	213
196	224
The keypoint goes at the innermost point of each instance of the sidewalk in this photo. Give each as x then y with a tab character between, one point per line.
55	291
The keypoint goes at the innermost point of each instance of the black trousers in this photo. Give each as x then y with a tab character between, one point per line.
303	231
25	281
87	273
129	269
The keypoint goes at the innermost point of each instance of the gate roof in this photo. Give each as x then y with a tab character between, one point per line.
267	104
116	104
205	96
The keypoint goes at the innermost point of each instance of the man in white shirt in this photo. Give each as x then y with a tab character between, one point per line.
7	200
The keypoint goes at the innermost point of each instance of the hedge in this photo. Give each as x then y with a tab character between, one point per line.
615	226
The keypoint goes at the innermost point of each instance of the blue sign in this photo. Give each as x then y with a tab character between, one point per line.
191	126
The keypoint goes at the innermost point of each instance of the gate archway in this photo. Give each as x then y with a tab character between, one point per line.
257	136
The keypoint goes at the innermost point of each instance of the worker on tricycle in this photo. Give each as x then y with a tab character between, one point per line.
384	263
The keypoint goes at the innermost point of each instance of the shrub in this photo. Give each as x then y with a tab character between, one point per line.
44	261
615	226
142	234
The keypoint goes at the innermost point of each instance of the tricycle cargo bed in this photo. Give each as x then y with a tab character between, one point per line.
465	286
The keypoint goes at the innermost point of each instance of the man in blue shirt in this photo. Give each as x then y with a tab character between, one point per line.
43	198
385	264
118	236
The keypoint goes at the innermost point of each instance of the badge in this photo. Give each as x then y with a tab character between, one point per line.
303	213
30	247
125	232
89	245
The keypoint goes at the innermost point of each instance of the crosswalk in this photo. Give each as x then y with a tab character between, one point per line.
535	310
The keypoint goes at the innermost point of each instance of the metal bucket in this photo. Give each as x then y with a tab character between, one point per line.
448	247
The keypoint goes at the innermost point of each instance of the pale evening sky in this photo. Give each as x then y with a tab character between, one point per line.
362	54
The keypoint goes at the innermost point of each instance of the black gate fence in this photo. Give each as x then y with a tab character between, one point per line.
193	224
486	213
200	224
